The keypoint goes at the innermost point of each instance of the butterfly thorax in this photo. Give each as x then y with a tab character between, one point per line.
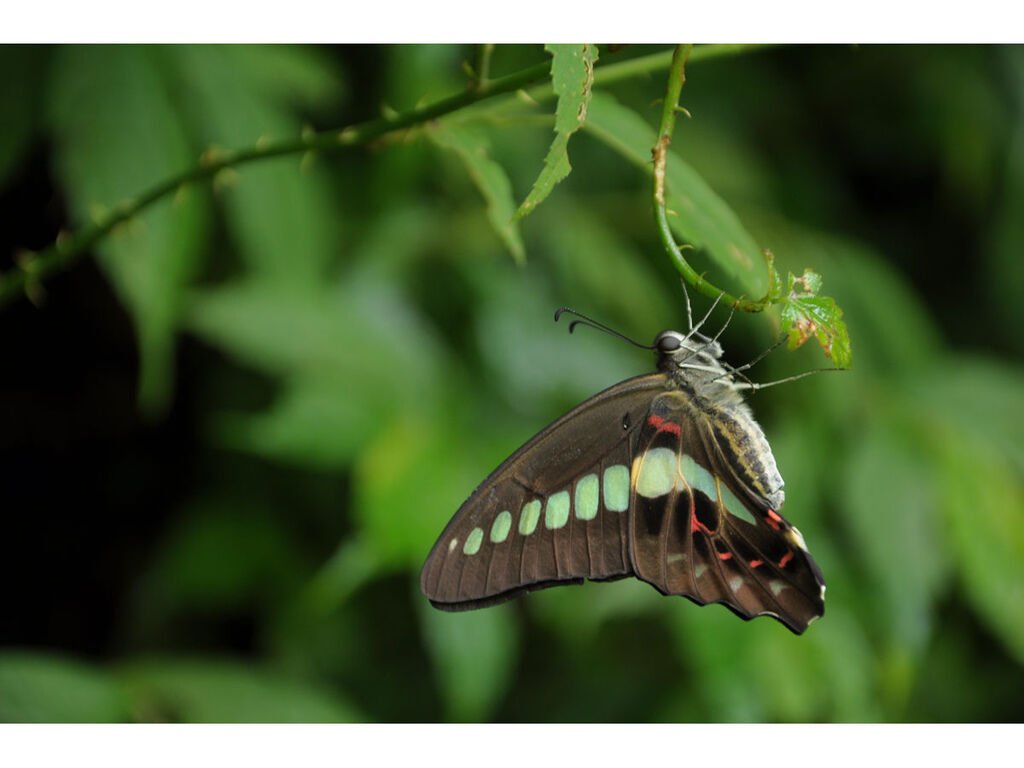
694	365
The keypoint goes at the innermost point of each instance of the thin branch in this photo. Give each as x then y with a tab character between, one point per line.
33	268
676	79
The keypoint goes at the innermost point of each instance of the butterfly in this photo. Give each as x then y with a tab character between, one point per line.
665	477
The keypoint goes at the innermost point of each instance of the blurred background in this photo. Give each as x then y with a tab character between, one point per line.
230	437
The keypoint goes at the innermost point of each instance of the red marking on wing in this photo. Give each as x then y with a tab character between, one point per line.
697	525
664	426
785	559
725	555
773	519
756	563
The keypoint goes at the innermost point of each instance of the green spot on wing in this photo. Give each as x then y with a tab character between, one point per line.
501	526
734	505
587	490
616	488
698	477
473	541
657	473
556	514
701	480
528	517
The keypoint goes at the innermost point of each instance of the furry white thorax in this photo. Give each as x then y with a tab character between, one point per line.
696	365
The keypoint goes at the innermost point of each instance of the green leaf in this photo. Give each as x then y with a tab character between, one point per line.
697	214
341	382
220	691
282	218
890	496
805	314
408	482
470	145
190	572
572	75
982	503
475	655
896	331
290	74
317	420
44	688
977	397
117	133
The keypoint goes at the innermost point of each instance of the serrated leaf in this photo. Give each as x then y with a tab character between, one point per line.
282	219
220	691
45	688
883	309
805	315
697	214
117	133
774	278
572	75
470	145
474	655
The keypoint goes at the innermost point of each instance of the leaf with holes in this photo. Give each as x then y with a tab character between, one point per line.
806	315
572	75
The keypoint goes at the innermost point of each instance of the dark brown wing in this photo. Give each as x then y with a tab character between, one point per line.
701	532
556	511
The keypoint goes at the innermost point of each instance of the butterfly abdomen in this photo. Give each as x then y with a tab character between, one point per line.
745	448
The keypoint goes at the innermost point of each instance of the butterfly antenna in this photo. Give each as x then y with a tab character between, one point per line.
763	355
584	320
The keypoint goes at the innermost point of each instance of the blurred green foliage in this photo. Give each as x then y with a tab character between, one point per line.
358	347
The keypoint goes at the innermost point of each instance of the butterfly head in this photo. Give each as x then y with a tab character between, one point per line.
675	349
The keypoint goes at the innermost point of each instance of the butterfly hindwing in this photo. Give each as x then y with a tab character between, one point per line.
702	532
556	511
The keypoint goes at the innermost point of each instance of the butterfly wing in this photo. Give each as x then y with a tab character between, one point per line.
556	511
701	531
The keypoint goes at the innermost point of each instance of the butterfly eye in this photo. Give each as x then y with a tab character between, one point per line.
668	342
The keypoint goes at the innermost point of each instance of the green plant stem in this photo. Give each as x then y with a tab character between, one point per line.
483	66
676	79
34	268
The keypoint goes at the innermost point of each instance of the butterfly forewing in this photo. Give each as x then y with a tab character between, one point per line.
556	511
700	532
